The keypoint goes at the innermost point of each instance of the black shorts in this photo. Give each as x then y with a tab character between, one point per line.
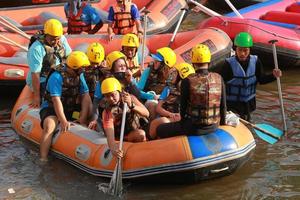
49	111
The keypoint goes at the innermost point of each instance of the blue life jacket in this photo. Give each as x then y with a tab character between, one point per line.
242	87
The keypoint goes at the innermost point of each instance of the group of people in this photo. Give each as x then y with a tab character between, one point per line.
165	99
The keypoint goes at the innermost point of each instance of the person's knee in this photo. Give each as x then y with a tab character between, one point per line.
139	136
49	125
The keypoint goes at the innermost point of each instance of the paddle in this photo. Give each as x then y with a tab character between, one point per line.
146	12
204	9
266	132
234	9
279	85
115	185
9	25
13	42
184	10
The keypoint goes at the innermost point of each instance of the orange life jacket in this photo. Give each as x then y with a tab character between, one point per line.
205	98
75	24
123	22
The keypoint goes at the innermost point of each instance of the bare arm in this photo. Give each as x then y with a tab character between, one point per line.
59	110
139	107
36	89
161	111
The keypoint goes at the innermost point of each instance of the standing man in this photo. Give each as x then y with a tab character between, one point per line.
241	74
81	16
124	17
202	102
65	87
49	48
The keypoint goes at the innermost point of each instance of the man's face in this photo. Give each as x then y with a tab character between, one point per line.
53	41
242	53
129	51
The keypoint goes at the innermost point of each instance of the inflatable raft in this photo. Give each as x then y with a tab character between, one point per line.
162	17
288	45
175	159
14	62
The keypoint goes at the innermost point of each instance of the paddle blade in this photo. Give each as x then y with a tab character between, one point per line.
115	185
274	131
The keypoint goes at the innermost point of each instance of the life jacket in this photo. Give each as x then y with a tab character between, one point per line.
203	107
132	119
49	60
172	102
94	74
242	87
133	64
70	90
75	23
158	78
123	22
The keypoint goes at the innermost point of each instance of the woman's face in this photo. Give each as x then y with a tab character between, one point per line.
113	97
120	66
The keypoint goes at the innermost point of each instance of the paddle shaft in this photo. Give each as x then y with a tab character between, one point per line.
13	27
13	42
146	12
234	9
279	86
184	10
117	187
260	129
205	9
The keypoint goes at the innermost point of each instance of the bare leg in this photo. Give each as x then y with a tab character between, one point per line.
49	126
155	123
151	106
86	109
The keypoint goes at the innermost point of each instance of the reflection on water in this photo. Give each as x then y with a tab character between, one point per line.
272	173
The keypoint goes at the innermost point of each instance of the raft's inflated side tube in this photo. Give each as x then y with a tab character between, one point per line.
295	7
197	157
283	17
288	45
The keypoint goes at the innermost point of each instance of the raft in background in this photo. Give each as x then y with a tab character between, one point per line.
288	45
175	159
163	15
14	61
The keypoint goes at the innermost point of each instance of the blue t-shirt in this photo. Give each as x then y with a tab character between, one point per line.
165	93
55	83
135	14
89	14
35	57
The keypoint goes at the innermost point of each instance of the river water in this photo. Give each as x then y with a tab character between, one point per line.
273	171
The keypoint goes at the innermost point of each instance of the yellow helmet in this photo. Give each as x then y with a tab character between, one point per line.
201	54
109	85
185	69
95	53
53	27
77	59
113	56
130	40
169	56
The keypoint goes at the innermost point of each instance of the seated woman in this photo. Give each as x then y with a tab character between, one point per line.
112	114
169	100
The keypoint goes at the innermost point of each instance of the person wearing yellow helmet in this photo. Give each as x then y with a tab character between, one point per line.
202	101
112	115
124	17
47	49
155	77
97	71
81	15
130	44
241	74
66	86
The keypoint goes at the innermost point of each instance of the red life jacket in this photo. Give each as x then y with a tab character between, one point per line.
123	22
75	24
